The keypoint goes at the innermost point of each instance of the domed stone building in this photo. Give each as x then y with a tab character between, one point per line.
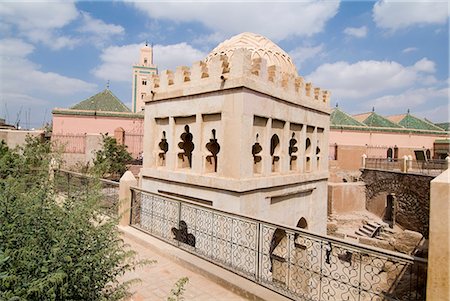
242	132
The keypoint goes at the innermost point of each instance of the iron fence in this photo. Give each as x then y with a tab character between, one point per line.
295	263
77	185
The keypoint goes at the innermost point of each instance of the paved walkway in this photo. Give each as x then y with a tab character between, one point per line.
159	278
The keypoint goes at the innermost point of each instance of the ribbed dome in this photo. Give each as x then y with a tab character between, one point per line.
260	47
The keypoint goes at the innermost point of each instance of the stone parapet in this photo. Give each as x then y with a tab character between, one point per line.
222	72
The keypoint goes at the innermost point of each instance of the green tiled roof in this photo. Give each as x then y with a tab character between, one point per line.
73	112
412	122
104	101
340	118
444	125
375	120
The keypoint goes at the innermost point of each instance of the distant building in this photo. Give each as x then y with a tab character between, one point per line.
380	137
79	128
142	73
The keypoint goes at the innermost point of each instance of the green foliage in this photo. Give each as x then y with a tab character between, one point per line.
111	161
55	248
176	294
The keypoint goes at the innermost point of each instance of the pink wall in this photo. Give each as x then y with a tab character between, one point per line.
357	138
74	124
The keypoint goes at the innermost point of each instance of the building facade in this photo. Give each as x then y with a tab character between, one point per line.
142	72
240	131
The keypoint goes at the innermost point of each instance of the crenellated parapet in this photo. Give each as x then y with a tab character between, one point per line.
239	70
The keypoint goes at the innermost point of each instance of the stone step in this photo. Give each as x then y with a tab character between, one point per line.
365	232
357	232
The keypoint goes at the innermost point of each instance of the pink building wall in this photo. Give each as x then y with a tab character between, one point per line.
76	124
359	138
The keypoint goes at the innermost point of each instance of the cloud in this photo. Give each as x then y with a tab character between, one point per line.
409	49
357	32
410	98
20	74
117	61
425	65
363	78
303	53
39	21
14	48
275	20
394	15
98	31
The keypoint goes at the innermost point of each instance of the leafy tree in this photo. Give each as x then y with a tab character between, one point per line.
55	248
111	161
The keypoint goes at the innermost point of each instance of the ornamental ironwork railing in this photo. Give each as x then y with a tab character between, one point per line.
77	185
295	263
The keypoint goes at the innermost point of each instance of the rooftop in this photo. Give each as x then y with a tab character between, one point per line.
104	101
260	46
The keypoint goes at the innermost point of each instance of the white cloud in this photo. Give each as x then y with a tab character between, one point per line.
394	15
440	113
14	48
275	20
357	32
20	74
117	61
362	79
303	53
410	98
409	49
425	65
98	31
39	21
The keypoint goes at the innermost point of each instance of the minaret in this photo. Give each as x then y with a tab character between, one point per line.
142	72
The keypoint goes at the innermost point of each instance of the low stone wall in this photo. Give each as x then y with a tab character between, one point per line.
15	138
346	197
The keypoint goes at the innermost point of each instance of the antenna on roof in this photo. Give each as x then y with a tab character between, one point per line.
337	104
107	84
146	43
373	109
407	111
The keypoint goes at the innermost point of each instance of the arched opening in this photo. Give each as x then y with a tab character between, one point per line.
274	149
308	155
302	223
428	154
389	154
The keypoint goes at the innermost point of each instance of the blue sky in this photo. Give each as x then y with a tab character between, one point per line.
390	55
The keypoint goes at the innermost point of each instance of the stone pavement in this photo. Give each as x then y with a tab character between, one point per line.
159	278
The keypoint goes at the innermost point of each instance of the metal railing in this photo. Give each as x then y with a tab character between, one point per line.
425	167
384	163
295	263
77	185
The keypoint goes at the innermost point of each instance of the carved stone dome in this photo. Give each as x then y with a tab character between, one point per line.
260	47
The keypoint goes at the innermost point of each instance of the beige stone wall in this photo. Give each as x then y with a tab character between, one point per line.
438	286
246	106
15	138
346	197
